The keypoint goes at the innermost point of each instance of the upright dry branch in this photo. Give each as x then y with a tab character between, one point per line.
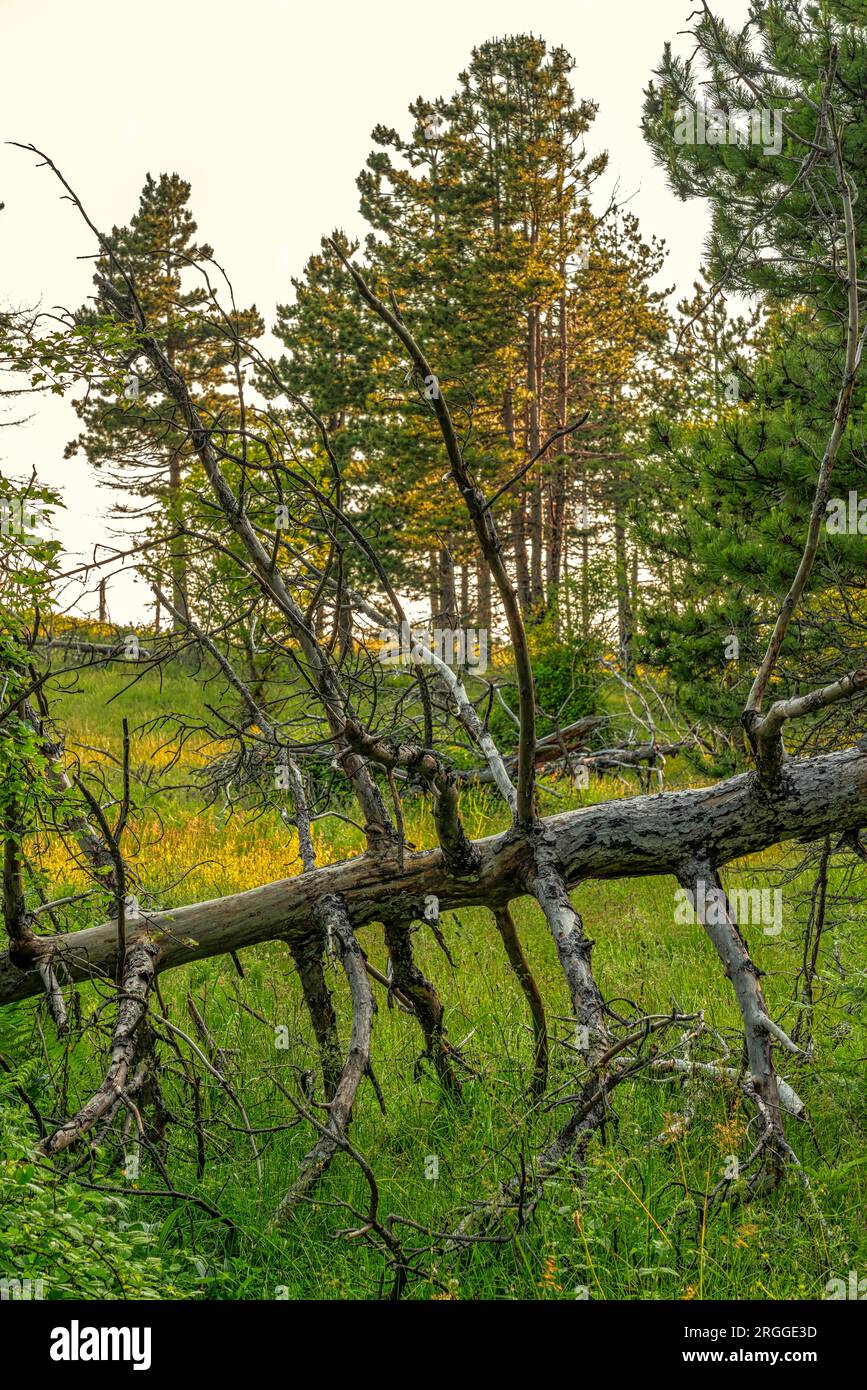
356	1065
524	975
96	853
138	977
485	528
335	702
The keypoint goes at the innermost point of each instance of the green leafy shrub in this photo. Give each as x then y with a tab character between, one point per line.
567	684
60	1240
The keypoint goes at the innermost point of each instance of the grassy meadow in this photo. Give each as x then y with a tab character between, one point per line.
634	1227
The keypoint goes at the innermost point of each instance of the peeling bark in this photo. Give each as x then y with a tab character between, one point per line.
621	839
574	950
354	1068
138	977
730	946
308	957
425	1000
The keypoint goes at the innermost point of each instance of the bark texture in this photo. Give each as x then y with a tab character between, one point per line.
643	835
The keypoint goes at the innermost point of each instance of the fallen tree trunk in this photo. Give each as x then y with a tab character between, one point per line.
638	836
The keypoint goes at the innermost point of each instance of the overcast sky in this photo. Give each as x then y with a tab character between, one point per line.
266	107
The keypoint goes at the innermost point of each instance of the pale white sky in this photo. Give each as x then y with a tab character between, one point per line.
266	107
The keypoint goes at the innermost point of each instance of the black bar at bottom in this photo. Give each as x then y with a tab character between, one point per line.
64	1338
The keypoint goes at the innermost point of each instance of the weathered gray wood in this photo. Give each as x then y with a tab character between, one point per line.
355	1067
138	977
526	979
616	839
731	948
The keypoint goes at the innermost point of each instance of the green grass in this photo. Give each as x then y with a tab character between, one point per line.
614	1235
624	1230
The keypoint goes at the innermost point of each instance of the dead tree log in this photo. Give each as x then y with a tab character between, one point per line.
640	836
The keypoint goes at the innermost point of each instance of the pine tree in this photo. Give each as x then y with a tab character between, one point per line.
535	312
738	474
496	218
159	254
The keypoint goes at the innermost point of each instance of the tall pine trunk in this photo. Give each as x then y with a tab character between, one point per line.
625	623
517	519
534	348
585	556
557	485
483	595
447	614
178	550
433	585
344	626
